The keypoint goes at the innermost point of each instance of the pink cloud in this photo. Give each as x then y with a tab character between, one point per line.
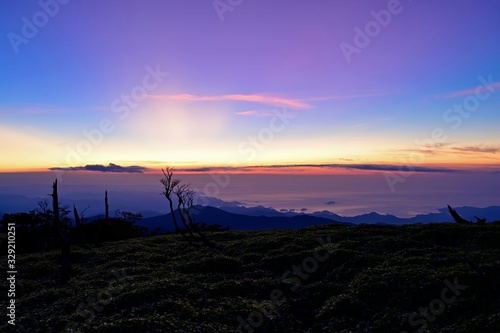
340	97
276	101
466	92
256	113
255	98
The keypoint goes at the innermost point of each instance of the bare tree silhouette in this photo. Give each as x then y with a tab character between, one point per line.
185	196
181	191
169	186
185	199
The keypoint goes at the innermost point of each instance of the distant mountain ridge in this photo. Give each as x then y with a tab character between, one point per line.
212	215
490	213
257	218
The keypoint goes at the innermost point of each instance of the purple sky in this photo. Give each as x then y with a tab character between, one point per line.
263	83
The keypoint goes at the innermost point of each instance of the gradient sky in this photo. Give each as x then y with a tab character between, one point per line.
231	72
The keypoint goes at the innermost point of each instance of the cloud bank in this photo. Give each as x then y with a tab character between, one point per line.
111	167
367	167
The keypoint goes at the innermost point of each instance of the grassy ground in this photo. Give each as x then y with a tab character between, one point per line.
440	277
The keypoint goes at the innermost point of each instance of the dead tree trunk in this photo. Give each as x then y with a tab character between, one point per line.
106	206
62	239
80	237
457	217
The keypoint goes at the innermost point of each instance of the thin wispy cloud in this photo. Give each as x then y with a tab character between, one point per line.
384	167
256	113
427	149
253	98
420	151
478	149
450	149
366	167
339	97
101	107
467	92
267	99
359	125
111	167
31	110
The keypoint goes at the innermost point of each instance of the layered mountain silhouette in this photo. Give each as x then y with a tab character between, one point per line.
234	215
211	215
258	218
489	213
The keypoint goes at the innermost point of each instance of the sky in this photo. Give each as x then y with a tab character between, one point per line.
263	87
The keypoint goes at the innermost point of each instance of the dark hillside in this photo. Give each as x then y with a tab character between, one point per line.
332	278
211	216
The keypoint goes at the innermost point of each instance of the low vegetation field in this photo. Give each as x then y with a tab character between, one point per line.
368	278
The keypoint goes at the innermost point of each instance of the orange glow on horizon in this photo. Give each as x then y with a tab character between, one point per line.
269	169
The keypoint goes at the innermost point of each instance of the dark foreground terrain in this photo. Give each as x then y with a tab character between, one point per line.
438	278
